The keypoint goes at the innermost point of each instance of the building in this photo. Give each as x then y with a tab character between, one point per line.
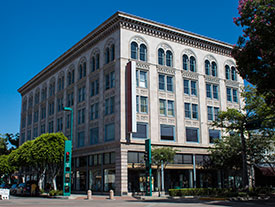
133	74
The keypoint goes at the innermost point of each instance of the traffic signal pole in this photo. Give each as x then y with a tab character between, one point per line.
148	163
68	159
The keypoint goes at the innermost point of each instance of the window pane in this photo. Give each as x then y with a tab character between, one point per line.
169	83
143	104
228	94
214	69
192	134
187	159
213	135
109	132
192	64
208	91
193	88
233	73
194	111
141	131
169	58
235	96
161	82
161	56
170	108
178	159
143	52
215	92
207	67
186	86
167	132
187	110
185	62
210	113
143	79
134	48
227	72
132	157
162	109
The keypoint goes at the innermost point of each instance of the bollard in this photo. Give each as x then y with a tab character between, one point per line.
89	195
111	195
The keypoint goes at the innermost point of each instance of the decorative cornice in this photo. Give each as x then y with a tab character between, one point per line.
211	79
231	83
188	74
166	70
142	65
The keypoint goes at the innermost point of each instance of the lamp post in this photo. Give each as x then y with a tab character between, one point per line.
67	159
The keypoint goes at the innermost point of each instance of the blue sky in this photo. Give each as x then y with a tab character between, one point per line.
35	33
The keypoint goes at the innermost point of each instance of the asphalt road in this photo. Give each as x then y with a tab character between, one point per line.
44	202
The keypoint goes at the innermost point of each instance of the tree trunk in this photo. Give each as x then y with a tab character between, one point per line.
41	179
54	183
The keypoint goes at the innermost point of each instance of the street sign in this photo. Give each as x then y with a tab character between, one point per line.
67	168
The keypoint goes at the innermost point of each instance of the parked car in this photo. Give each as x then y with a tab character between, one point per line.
23	189
13	189
4	185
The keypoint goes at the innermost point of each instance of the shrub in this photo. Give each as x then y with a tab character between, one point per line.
55	192
202	192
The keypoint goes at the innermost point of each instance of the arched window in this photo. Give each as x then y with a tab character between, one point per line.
143	52
107	55
161	56
192	64
97	61
185	62
69	78
93	64
207	67
227	72
169	58
233	73
134	50
214	69
80	72
112	52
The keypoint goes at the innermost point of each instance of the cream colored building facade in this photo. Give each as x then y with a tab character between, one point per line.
183	79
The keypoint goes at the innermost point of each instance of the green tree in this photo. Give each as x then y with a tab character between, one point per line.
252	143
3	146
162	156
48	153
255	50
5	167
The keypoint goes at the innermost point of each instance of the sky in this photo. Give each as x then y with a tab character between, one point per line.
34	33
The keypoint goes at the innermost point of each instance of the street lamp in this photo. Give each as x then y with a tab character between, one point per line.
67	159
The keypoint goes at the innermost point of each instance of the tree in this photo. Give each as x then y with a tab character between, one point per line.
5	168
162	156
252	143
3	146
48	153
255	50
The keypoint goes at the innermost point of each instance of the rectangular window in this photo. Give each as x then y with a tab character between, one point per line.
107	106
112	105
216	113
51	127
59	126
167	132
187	110
215	92
213	135
70	99
161	82
235	96
112	76
228	94
80	139
162	107
142	79
170	108
68	121
195	111
194	88
42	129
169	83
187	159
208	91
35	116
107	81
35	132
109	132
81	116
142	129
192	134
96	110
93	88
186	86
94	135
137	101
96	87
210	113
143	104
110	80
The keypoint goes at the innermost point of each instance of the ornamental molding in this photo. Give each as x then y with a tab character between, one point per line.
163	69
142	65
231	83
139	40
190	75
189	53
166	34
212	79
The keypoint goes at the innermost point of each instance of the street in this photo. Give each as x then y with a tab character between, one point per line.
125	202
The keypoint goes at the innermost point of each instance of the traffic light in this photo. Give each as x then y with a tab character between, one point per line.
67	156
146	156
